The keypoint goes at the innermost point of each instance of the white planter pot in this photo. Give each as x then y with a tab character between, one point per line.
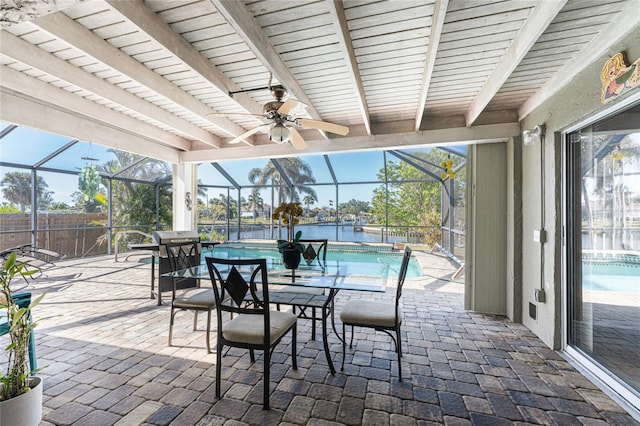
23	410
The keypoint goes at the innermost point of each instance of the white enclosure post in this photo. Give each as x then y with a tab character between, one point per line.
185	195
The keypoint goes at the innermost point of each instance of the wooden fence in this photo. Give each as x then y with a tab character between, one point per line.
71	234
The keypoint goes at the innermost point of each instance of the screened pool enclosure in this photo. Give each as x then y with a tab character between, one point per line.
79	198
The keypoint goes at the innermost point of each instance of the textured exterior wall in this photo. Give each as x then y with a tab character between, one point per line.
572	104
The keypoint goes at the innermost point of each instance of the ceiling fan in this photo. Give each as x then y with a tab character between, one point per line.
279	116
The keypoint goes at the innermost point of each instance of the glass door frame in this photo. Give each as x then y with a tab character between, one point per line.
586	365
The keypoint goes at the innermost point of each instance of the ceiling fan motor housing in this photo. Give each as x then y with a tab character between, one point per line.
271	108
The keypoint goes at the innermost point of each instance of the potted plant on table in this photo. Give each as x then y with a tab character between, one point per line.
20	394
291	249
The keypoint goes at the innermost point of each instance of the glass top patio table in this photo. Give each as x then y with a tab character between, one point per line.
332	276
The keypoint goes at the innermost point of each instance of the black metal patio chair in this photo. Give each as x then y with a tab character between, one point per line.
250	326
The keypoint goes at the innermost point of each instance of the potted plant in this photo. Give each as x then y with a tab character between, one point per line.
20	394
291	249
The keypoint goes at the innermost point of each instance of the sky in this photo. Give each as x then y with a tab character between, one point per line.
348	167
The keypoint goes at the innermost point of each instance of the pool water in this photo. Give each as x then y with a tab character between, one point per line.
357	263
614	276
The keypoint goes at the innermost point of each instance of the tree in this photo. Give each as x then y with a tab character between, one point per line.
355	207
134	203
59	205
218	210
16	188
222	207
8	208
82	202
308	200
413	197
256	202
298	172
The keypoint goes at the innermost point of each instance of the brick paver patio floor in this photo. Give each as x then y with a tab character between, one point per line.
104	344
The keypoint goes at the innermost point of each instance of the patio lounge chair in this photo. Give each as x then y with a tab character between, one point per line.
35	257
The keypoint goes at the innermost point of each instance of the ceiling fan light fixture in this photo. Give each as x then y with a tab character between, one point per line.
279	133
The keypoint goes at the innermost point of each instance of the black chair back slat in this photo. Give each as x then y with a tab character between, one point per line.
403	272
315	250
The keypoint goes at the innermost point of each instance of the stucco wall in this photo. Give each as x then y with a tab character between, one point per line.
574	103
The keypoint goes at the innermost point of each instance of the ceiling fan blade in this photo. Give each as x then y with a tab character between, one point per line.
297	140
323	125
287	106
246	134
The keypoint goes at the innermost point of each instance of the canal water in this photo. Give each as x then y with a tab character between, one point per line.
327	230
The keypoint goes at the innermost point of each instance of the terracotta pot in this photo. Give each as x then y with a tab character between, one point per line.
25	409
291	257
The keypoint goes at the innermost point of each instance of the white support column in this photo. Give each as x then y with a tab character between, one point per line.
185	194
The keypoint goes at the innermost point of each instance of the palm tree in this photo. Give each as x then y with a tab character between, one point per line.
308	200
256	202
224	205
298	172
16	188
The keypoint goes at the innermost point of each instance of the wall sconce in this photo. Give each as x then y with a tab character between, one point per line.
529	137
279	133
187	201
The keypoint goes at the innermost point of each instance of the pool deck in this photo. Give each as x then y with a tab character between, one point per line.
104	344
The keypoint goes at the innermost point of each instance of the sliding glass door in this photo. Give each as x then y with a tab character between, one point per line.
603	246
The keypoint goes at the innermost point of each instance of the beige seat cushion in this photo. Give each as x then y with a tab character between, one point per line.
367	312
247	328
195	298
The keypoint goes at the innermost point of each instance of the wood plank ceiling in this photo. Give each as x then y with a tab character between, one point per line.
146	76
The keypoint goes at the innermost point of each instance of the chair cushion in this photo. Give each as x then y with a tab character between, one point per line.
369	313
249	329
195	298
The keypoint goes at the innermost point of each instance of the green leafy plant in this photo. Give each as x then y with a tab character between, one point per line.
14	382
212	236
289	214
293	244
89	182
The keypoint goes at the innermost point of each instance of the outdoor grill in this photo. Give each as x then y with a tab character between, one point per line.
164	265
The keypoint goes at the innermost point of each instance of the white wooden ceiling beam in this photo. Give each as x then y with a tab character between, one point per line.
60	26
33	113
243	22
625	22
38	89
336	9
543	13
139	14
454	136
18	49
437	22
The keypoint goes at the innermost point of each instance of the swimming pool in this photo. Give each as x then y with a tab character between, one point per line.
611	276
358	262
